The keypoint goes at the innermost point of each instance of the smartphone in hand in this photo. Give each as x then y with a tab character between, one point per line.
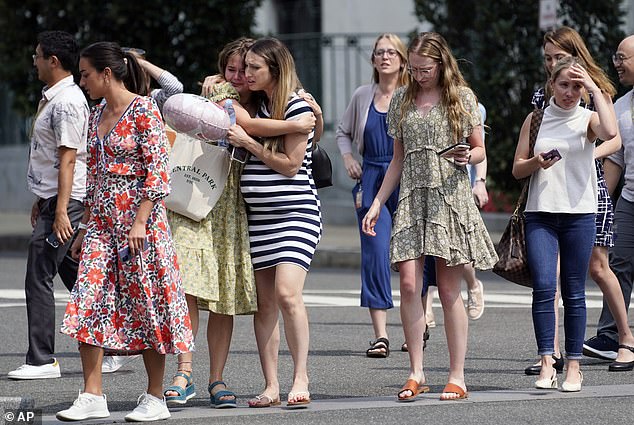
53	241
450	150
124	253
238	154
551	154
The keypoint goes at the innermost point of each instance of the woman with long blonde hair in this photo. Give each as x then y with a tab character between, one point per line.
364	124
436	214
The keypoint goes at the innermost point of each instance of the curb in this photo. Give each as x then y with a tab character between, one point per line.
333	257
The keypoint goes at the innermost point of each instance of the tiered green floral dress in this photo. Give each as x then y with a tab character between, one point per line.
436	214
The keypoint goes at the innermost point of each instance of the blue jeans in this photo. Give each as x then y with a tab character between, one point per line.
569	237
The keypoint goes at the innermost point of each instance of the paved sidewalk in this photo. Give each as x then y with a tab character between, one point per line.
339	246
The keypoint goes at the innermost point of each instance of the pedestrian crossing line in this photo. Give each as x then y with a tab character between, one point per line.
11	298
490	301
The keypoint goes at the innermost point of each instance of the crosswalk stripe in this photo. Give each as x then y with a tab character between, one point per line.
342	298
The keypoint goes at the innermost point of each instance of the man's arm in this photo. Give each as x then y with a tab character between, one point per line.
62	226
612	172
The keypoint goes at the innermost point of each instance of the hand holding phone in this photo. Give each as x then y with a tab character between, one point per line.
53	241
450	150
124	253
551	154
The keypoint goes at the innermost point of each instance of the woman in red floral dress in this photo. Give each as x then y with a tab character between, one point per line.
128	296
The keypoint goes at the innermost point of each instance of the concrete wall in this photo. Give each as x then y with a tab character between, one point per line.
372	16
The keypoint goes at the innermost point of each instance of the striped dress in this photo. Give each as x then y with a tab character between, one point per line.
284	212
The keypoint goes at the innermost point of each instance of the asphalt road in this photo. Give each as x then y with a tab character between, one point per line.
346	386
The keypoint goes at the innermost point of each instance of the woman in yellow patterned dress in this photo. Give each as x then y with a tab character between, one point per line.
436	214
213	254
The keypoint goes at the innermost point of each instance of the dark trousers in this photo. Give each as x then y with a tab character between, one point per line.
43	263
621	263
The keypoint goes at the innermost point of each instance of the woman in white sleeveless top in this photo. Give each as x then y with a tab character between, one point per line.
560	211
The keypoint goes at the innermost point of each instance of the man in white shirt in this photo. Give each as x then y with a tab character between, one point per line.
57	176
605	344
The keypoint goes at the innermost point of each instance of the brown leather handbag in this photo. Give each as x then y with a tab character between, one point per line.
513	263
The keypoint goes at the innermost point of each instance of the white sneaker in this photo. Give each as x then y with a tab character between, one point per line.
86	406
149	408
114	363
45	371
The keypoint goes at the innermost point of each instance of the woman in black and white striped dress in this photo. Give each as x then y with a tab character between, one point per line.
284	214
284	218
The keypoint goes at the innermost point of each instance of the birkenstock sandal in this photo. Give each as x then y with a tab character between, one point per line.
184	394
216	399
298	404
380	348
414	388
453	389
263	400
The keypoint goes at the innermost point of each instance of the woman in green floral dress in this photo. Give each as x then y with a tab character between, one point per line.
436	214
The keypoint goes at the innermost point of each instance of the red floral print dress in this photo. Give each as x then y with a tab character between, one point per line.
139	304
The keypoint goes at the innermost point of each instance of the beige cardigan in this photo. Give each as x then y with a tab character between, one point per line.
352	125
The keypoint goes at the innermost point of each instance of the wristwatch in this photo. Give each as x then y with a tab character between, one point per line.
481	179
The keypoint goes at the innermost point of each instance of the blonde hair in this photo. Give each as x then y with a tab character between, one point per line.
282	68
565	63
434	46
569	40
400	48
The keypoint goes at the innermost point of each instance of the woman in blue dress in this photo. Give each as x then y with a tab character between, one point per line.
364	125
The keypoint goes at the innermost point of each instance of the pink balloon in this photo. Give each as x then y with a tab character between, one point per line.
196	116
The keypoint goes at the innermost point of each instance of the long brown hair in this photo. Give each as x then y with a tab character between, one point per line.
434	46
282	68
569	40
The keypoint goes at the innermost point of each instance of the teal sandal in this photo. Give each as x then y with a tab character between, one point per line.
184	394
216	399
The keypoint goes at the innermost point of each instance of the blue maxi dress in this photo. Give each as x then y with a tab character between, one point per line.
376	288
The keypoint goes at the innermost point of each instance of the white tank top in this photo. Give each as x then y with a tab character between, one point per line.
570	185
